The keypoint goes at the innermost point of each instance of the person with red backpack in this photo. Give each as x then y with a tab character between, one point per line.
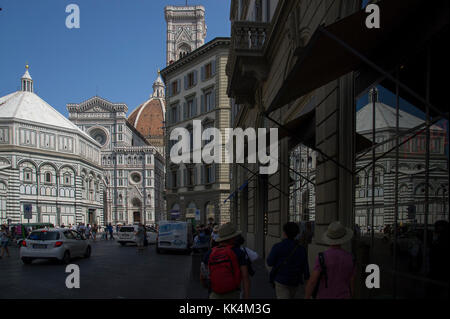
227	266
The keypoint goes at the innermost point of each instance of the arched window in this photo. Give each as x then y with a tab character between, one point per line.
48	177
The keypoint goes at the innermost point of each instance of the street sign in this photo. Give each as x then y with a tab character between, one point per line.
197	214
27	211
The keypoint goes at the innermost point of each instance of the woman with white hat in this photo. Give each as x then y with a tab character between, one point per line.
334	271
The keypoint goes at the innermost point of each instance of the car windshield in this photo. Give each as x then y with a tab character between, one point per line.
126	229
44	235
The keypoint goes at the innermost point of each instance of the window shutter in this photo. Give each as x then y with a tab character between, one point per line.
185	108
185	82
169	180
202	100
178	178
178	86
213	99
195	77
195	175
213	173
170	89
185	183
202	173
213	67
203	75
194	103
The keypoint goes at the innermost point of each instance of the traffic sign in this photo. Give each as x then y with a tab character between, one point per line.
27	211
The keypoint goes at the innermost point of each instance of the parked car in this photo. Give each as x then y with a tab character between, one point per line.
126	235
60	244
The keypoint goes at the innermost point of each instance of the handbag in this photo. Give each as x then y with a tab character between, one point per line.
274	271
323	273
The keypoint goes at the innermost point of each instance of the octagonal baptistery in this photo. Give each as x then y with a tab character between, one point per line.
148	118
49	169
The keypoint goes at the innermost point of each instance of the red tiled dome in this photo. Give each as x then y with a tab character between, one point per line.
148	118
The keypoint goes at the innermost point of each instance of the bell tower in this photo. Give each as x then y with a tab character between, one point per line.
186	30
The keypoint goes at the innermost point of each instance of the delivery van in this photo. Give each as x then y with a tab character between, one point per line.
174	235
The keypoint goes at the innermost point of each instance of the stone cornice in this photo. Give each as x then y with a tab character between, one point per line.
221	41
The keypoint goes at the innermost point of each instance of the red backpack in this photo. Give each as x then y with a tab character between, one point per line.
224	270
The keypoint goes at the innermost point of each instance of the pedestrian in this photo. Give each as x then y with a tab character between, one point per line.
140	237
334	272
289	263
87	231
227	266
250	256
94	231
110	230
214	236
4	240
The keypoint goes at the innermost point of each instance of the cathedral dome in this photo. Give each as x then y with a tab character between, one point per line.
148	118
26	106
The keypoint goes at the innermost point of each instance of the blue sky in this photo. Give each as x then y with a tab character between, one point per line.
115	53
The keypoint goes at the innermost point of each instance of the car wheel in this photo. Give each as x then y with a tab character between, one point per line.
66	257
87	254
27	261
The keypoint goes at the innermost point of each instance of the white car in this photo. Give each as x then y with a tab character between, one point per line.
54	243
126	234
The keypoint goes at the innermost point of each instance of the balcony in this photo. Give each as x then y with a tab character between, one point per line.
247	64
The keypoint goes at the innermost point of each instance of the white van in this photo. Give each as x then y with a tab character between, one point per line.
174	235
126	234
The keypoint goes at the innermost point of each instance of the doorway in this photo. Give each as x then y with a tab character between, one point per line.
136	217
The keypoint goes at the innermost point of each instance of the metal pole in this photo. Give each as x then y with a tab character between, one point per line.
373	172
397	155
427	162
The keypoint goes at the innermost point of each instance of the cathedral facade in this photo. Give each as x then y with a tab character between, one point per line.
133	167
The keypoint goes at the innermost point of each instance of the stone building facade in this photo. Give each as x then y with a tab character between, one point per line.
186	30
196	90
46	163
267	38
133	170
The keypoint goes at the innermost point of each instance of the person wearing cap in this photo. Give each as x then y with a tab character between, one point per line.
227	238
337	281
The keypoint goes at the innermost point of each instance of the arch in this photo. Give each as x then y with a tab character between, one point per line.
49	164
69	167
26	160
420	189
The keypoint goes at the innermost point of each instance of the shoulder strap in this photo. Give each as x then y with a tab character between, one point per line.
286	259
323	268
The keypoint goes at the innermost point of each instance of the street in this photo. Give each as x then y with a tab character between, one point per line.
111	272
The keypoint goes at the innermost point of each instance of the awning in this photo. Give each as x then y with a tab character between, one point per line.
405	26
303	130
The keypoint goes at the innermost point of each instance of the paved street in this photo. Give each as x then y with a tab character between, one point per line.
112	271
